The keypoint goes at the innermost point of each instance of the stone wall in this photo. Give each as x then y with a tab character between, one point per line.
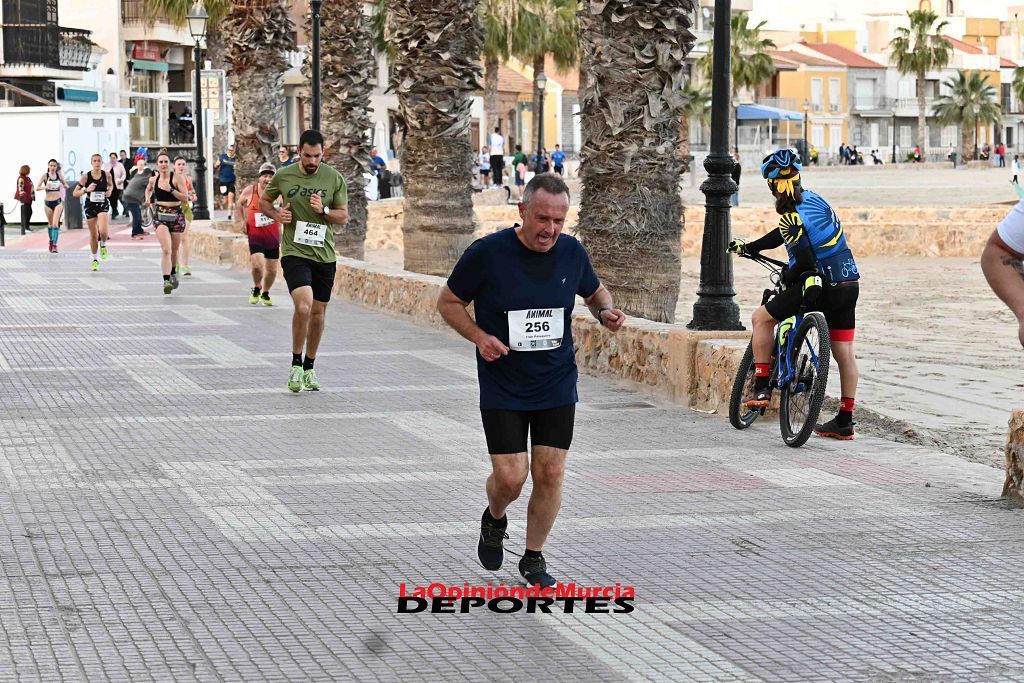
667	359
1014	485
870	232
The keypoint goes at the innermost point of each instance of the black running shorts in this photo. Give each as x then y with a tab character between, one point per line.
93	210
272	253
506	430
303	272
838	303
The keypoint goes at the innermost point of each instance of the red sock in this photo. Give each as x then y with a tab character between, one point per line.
846	405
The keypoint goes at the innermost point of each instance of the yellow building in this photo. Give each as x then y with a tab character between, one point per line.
813	83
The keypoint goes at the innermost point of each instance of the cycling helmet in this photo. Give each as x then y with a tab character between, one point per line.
781	163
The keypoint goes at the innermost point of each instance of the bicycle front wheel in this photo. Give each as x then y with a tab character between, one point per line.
743	385
801	398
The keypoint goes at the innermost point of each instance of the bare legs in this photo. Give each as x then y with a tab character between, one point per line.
307	322
506	483
169	245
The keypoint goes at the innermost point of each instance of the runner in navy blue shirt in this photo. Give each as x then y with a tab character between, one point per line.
523	282
558	159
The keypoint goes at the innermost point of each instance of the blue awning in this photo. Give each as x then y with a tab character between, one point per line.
75	95
145	65
762	112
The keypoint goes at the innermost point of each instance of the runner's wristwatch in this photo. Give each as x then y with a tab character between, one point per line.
600	320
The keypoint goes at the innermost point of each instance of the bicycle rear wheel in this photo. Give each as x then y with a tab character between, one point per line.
801	398
743	385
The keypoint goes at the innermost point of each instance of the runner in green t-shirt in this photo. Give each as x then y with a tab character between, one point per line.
315	198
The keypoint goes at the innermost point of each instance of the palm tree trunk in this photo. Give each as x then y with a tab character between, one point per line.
491	67
922	113
683	154
347	67
435	76
257	33
631	213
966	149
538	67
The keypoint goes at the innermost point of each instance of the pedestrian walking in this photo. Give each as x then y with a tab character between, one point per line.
519	171
284	157
55	187
951	155
558	159
1015	169
496	143
25	194
117	173
380	169
316	198
484	161
523	282
264	235
96	185
225	167
135	196
736	173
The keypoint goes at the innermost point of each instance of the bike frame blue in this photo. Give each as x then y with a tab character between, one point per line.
784	370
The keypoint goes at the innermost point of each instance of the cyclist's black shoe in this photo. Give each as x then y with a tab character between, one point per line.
490	548
534	571
761	398
834	430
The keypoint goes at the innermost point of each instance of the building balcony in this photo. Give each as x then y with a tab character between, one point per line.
139	24
50	50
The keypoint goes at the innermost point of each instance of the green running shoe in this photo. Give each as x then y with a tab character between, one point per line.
254	296
186	271
95	264
265	299
295	379
103	252
168	287
309	380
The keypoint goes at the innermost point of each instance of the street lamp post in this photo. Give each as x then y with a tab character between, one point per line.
197	19
315	63
716	308
893	135
807	112
542	83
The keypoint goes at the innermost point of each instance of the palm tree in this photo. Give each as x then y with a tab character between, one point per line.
500	20
917	50
347	71
258	33
1018	86
751	61
546	27
697	108
435	74
631	212
970	102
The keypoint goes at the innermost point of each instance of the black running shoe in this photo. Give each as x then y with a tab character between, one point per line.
833	430
534	571
490	549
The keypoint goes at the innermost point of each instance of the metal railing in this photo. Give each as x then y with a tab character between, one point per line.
47	45
136	12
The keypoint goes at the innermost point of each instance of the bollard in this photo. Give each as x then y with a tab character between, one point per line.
3	226
1013	487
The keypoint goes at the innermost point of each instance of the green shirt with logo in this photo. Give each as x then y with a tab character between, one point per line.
295	188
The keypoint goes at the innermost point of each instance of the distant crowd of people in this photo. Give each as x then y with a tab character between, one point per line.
491	164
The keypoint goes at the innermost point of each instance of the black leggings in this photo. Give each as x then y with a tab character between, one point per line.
506	430
26	217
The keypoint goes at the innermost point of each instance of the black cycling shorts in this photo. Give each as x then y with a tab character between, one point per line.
271	253
838	303
94	210
303	272
506	430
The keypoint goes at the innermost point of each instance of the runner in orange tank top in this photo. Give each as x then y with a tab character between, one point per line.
264	235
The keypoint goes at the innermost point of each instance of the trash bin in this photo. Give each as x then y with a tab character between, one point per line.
72	209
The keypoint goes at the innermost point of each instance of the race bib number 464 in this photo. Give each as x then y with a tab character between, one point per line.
312	234
536	329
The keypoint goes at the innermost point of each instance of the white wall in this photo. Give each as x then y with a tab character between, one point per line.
34	135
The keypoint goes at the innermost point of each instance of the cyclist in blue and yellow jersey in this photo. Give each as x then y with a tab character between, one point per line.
813	236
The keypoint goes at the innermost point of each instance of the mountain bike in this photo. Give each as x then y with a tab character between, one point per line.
799	366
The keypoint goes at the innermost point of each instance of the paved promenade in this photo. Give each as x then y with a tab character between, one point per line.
172	512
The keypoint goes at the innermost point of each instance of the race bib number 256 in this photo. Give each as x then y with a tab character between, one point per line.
536	329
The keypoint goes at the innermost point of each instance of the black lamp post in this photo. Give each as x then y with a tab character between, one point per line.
197	20
542	83
893	135
716	308
315	63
